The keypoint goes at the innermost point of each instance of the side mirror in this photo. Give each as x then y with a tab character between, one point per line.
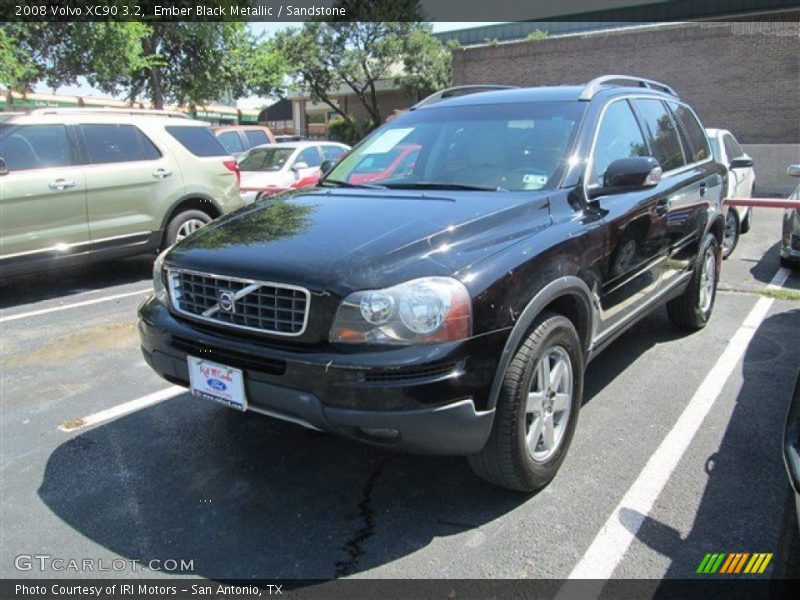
742	162
299	165
326	166
3	167
627	175
793	170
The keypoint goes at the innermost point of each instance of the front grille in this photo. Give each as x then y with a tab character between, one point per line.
246	304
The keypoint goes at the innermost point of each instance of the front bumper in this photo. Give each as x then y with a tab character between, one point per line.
424	399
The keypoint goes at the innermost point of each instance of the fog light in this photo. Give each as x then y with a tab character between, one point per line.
383	433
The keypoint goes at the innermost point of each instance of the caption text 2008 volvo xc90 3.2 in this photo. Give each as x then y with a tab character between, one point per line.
452	306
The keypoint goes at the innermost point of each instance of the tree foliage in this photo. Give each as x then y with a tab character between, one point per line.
326	59
182	62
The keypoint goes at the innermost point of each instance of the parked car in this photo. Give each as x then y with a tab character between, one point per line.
741	183
237	139
452	309
376	167
280	139
790	238
267	170
80	184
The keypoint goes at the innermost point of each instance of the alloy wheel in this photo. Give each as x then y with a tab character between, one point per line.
549	403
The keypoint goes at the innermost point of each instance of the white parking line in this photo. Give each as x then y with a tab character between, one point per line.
122	409
613	540
44	311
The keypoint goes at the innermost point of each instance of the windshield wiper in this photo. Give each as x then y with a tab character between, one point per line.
436	185
347	184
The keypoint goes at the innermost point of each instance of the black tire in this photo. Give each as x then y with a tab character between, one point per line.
731	239
506	459
180	219
686	310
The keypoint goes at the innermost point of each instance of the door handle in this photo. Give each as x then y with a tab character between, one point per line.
61	184
662	206
161	173
703	188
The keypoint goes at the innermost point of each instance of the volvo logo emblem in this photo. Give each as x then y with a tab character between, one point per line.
227	302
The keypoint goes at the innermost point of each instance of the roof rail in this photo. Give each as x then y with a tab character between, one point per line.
462	90
111	111
595	84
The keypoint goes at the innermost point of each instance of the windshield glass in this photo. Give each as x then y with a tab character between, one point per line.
505	146
265	159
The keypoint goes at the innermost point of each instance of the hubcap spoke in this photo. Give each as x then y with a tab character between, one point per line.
561	402
548	433
535	402
557	374
535	433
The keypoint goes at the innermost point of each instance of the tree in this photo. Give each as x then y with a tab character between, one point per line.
184	62
325	58
428	64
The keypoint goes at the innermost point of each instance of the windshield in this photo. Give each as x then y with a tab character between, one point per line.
498	146
265	159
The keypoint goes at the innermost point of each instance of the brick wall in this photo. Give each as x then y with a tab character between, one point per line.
739	76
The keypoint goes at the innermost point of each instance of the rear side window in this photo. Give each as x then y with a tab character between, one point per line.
231	141
695	133
332	152
664	140
619	136
197	140
110	143
35	147
256	137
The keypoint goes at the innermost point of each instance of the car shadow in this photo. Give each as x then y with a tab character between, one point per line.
62	283
764	270
743	498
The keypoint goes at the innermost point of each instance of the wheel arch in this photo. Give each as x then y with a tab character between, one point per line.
568	296
202	202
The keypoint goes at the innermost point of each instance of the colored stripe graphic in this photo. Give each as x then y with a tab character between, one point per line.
730	563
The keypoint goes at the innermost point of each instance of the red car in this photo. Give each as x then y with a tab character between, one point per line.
376	167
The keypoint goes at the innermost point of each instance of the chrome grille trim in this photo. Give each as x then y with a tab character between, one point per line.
283	298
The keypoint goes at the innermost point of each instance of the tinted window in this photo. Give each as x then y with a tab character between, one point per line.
732	147
231	141
664	141
256	137
696	134
266	159
310	156
332	152
512	146
35	147
197	140
619	136
108	143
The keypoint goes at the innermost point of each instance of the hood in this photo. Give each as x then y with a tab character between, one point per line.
348	239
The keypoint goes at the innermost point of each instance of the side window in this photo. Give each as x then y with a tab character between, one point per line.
231	141
35	147
697	135
732	147
310	156
197	140
332	152
109	143
256	137
663	134
619	136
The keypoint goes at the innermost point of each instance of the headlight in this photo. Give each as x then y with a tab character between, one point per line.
158	277
421	311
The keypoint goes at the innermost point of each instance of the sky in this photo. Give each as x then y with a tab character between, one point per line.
84	89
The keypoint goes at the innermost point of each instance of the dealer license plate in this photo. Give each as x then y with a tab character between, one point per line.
217	382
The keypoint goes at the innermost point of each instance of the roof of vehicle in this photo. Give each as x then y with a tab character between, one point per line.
101	116
303	144
221	128
559	93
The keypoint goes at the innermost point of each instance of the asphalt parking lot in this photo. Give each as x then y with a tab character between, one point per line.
246	496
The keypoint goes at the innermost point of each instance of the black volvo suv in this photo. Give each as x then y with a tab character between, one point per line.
444	287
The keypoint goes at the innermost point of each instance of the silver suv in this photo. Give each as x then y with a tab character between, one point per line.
81	184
